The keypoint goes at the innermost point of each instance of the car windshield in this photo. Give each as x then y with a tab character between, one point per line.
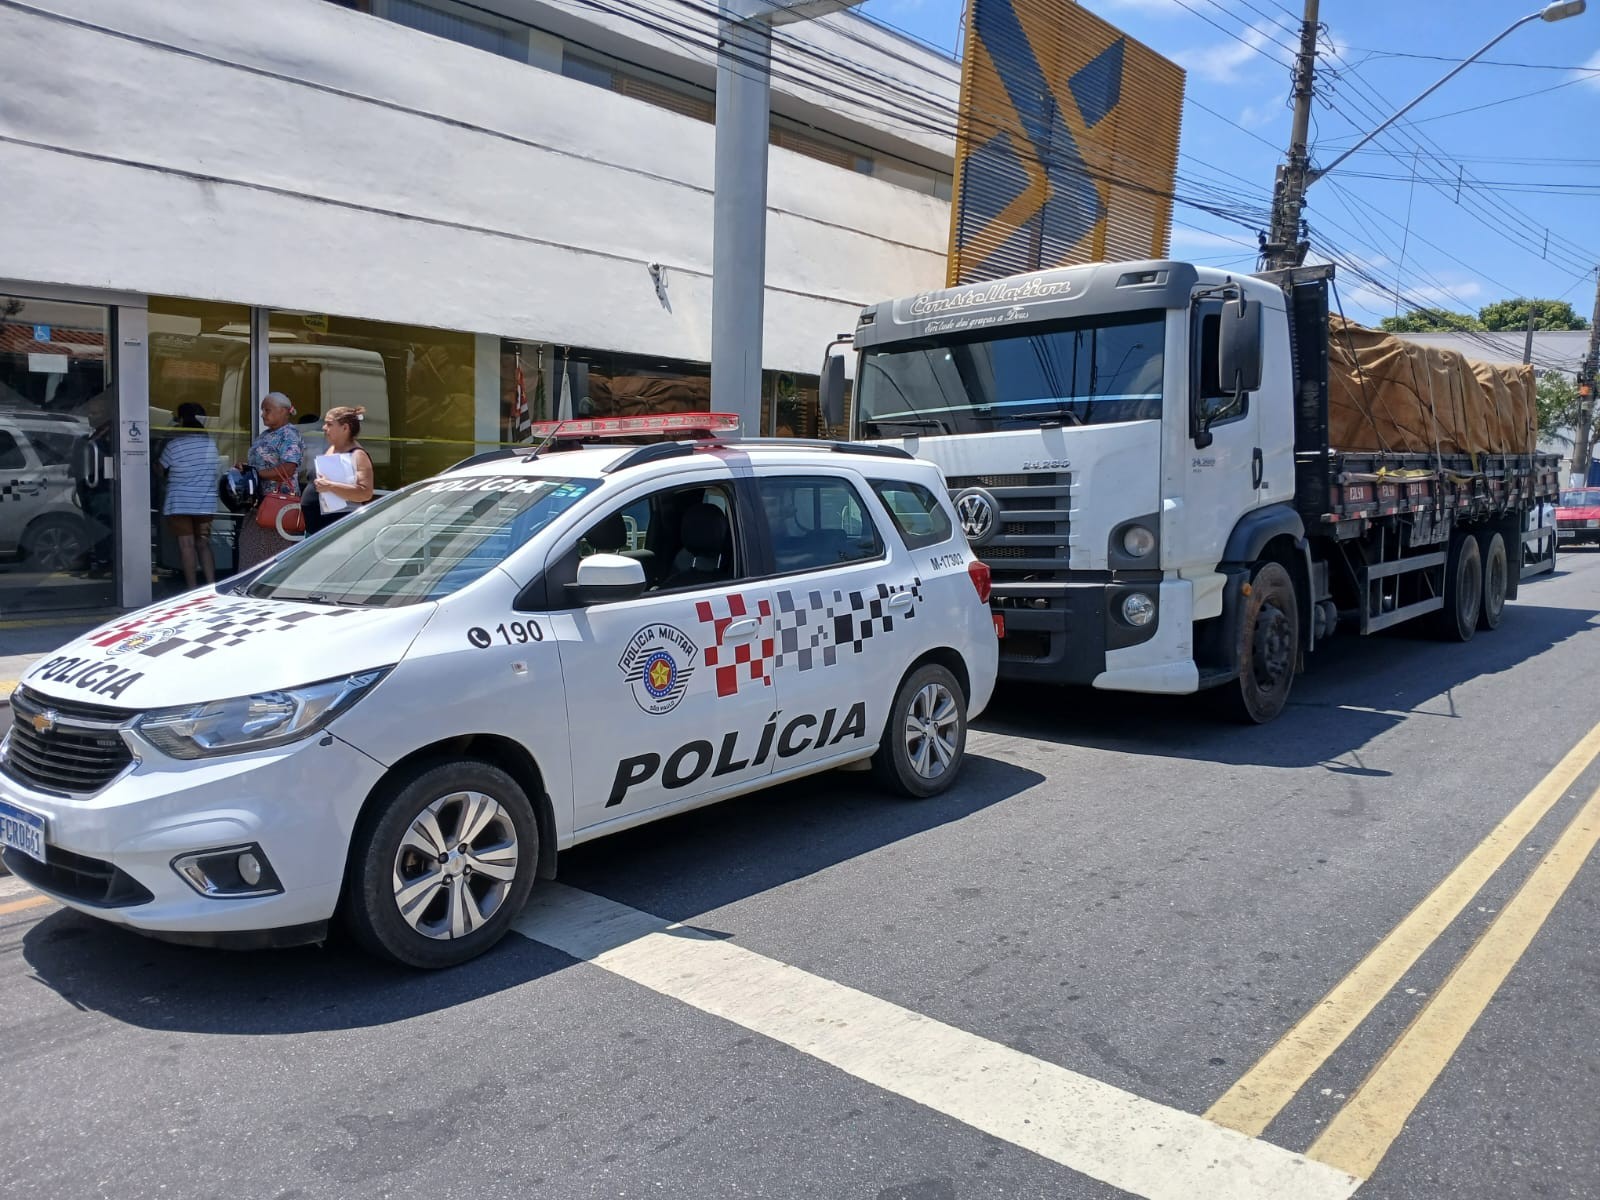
1581	498
1086	372
422	543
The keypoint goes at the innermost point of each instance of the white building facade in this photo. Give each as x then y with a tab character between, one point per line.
462	217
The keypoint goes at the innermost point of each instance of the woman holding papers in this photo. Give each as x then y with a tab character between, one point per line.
344	472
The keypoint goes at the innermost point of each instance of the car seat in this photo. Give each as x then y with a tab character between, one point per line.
705	555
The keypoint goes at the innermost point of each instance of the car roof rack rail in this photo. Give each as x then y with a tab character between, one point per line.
486	456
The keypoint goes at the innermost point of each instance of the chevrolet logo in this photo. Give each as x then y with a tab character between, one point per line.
43	722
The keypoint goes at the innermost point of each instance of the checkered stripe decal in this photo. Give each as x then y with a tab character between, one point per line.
12	490
812	627
744	661
198	630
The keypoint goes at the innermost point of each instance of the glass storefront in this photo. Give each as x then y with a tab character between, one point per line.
58	432
431	398
418	387
200	368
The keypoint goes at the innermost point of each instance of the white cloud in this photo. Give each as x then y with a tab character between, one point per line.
1591	73
1369	302
1259	116
1224	62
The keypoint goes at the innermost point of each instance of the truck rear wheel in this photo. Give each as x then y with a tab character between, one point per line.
1269	644
1496	579
1463	589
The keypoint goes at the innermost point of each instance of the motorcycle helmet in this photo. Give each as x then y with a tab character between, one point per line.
239	489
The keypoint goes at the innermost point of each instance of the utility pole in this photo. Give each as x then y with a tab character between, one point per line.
1582	450
1284	246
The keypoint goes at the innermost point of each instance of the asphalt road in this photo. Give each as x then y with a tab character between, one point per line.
1120	891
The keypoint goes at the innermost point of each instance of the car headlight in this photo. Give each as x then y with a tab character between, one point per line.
256	722
1137	541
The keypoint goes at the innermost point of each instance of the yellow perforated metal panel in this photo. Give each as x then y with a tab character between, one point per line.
1066	143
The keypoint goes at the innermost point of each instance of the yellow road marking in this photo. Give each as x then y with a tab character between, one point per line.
12	906
1360	1135
1250	1104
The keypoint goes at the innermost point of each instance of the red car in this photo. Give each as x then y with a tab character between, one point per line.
1578	516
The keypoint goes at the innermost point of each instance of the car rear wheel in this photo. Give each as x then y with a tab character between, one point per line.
55	544
440	870
925	738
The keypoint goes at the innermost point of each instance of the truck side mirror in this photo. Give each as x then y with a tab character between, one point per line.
1239	346
830	390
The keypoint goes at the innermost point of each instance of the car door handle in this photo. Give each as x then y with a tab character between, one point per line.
899	599
1257	467
741	629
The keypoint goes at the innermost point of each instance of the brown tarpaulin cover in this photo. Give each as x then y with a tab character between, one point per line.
1388	394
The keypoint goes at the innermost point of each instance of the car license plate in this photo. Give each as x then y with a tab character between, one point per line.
22	830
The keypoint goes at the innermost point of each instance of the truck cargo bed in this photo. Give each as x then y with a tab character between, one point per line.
1341	490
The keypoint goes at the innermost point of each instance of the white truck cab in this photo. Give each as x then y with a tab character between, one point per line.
529	651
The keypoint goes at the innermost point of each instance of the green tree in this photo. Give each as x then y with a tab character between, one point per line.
1432	320
1513	315
1559	406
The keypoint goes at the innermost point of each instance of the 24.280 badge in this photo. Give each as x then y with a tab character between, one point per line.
658	665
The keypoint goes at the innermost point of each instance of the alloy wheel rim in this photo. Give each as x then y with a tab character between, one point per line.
56	549
932	724
455	865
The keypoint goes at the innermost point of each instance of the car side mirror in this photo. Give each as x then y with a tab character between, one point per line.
606	579
1239	346
830	390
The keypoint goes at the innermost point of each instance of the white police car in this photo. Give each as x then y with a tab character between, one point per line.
402	720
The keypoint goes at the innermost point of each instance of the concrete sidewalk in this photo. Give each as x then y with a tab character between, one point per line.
23	643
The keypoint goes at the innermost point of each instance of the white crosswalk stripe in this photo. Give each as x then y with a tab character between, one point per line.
1122	1139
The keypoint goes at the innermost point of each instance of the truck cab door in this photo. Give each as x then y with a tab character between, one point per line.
1220	464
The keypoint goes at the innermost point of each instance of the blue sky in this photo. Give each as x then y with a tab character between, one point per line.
1527	221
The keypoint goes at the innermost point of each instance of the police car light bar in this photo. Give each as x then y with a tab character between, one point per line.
701	423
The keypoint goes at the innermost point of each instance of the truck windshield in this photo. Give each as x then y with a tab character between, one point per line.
422	543
1088	372
1581	498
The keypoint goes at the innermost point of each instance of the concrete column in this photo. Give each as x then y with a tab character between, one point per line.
739	249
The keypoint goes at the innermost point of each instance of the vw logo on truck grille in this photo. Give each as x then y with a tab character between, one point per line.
976	509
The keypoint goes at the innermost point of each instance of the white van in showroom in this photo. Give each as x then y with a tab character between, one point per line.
401	721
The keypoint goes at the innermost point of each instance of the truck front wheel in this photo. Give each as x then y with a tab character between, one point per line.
1269	643
1463	589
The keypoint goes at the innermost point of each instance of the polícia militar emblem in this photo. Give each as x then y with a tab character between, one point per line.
658	664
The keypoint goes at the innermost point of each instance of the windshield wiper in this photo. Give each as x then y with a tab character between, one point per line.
913	422
1056	416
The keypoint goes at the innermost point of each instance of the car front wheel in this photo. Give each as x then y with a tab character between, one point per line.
440	870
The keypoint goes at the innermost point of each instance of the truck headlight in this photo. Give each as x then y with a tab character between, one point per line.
257	722
1138	609
1137	541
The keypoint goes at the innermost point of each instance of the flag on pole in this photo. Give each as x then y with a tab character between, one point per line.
564	413
521	418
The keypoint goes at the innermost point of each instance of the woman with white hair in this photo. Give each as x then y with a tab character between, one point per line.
276	455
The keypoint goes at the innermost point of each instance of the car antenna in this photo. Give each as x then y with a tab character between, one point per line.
545	444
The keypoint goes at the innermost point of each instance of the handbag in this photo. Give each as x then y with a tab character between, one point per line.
280	512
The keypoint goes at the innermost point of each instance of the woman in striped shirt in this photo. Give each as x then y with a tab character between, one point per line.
189	461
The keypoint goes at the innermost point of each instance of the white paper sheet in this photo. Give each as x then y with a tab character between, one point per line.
337	468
